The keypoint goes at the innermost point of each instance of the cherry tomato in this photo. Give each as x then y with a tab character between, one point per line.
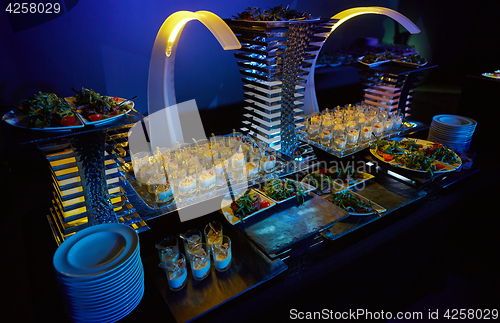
68	121
388	157
264	204
322	171
95	117
116	98
439	166
250	19
436	145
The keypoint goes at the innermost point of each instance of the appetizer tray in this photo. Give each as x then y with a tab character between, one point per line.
390	192
306	189
130	105
288	224
425	144
405	127
15	118
228	212
376	209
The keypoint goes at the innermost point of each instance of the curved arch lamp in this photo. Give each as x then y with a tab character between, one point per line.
311	103
164	128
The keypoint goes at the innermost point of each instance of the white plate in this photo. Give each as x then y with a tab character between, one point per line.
98	286
87	303
425	143
375	206
96	250
131	104
226	210
454	121
111	313
372	64
307	188
14	119
110	275
104	297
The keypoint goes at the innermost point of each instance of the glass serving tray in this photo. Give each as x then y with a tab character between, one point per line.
285	166
405	128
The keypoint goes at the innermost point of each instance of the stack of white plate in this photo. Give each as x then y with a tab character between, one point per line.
100	273
454	132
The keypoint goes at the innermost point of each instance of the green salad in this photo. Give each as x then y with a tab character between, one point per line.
350	202
47	110
282	189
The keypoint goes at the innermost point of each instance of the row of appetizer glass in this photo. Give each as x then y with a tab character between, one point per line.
351	125
202	166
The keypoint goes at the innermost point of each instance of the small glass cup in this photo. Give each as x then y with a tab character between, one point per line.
167	247
222	254
175	177
235	140
378	128
199	258
338	112
313	125
388	124
339	142
365	133
207	180
165	152
398	120
325	137
252	169
352	136
219	169
188	186
147	171
238	160
138	160
192	238
268	161
176	271
349	110
212	230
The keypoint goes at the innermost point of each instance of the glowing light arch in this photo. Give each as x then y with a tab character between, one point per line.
165	128
310	101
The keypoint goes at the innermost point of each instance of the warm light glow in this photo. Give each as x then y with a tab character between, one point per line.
345	15
173	25
173	34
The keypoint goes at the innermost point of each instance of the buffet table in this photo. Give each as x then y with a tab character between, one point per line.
258	281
